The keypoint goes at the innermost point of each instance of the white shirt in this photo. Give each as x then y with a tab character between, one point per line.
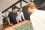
38	20
19	15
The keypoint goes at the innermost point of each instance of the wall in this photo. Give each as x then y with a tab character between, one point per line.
6	3
1	21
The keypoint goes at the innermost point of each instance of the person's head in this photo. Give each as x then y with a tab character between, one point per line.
14	9
31	7
20	9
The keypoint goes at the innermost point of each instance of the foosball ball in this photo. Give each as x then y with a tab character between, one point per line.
24	25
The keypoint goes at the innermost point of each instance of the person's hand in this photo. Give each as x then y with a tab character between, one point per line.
24	19
10	24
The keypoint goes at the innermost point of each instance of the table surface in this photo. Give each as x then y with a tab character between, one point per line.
17	25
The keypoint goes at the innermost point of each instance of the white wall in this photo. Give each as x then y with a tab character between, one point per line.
1	21
6	3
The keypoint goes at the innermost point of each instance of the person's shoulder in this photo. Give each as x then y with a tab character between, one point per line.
38	13
10	12
18	12
41	10
21	12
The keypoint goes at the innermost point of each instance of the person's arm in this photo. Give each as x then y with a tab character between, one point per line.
9	19
23	16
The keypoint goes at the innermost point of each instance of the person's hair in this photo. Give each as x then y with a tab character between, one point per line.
14	7
18	9
31	5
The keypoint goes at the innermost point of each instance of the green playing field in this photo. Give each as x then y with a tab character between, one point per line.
27	26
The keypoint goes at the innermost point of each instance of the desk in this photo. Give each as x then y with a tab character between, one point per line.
25	25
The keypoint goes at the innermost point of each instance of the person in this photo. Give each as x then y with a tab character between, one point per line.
25	12
12	16
20	16
37	18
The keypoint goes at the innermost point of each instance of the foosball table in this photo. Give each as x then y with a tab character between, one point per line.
24	25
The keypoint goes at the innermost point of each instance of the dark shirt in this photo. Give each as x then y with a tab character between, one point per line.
12	17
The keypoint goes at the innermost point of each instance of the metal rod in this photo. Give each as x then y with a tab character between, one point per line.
20	3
